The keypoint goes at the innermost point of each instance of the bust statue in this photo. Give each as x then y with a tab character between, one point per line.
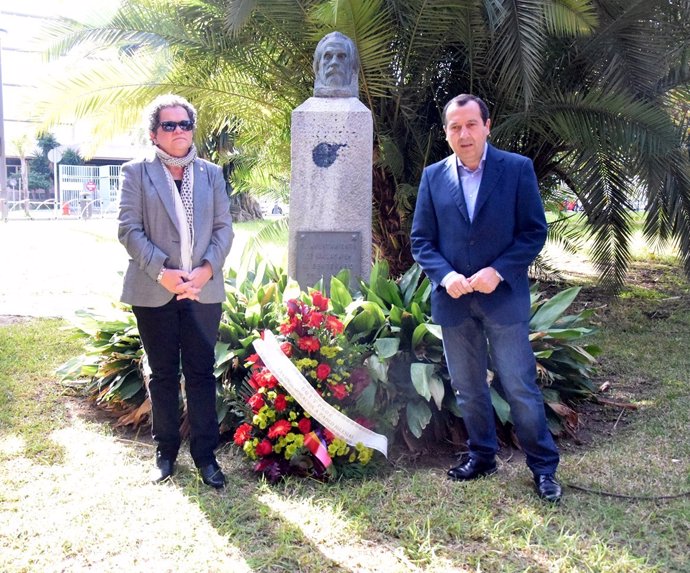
336	67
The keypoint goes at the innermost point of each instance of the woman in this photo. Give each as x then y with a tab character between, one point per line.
175	224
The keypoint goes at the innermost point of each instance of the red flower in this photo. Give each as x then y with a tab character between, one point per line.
309	344
280	403
323	371
286	347
264	448
339	391
256	402
280	428
267	380
289	326
242	434
328	435
314	319
255	380
320	301
304	425
334	325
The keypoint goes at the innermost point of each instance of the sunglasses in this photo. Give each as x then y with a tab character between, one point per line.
184	125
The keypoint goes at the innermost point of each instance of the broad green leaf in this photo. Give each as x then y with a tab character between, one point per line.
438	390
386	347
130	386
421	374
340	296
501	407
435	330
367	400
422	330
395	315
549	312
422	294
378	369
270	294
417	312
418	417
388	290
223	352
543	354
567	333
408	283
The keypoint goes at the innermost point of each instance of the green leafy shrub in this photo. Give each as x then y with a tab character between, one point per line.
111	370
409	393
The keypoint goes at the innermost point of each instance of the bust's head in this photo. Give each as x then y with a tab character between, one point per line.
336	65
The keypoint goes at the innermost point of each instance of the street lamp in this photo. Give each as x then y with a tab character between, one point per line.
3	163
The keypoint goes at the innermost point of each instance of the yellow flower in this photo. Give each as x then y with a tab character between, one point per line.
365	454
330	351
306	363
337	447
249	448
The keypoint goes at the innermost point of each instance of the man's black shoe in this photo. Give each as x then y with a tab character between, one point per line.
548	488
165	468
472	469
212	475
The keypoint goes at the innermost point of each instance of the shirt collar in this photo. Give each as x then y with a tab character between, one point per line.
480	167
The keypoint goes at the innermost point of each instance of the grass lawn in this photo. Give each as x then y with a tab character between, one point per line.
74	496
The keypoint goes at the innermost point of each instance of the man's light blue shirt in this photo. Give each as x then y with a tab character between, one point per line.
471	180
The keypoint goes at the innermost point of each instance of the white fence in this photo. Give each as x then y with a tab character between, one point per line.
94	188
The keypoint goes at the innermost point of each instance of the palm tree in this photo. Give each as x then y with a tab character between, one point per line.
590	89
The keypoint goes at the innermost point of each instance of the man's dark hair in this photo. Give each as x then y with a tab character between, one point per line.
463	99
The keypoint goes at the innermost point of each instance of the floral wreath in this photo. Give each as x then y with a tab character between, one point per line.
277	433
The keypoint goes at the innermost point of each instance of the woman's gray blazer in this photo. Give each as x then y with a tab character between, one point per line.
148	229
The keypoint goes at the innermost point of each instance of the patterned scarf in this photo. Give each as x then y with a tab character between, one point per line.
187	190
184	200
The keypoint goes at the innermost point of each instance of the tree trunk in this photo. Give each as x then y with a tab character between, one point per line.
244	207
390	233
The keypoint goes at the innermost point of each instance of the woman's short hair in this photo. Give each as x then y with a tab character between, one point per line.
153	110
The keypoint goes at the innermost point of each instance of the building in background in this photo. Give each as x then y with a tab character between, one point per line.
22	64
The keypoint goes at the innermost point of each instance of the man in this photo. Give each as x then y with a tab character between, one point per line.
478	225
336	65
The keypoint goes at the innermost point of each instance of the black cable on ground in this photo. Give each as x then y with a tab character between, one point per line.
623	496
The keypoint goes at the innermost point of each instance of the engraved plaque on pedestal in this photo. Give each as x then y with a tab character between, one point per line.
324	254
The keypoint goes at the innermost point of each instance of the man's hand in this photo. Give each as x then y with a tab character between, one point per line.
485	280
457	285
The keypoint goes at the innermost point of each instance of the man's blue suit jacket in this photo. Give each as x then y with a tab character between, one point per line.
507	232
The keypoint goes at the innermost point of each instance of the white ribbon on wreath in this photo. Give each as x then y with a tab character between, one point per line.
306	395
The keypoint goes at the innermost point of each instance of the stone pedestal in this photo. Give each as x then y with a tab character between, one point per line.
330	190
